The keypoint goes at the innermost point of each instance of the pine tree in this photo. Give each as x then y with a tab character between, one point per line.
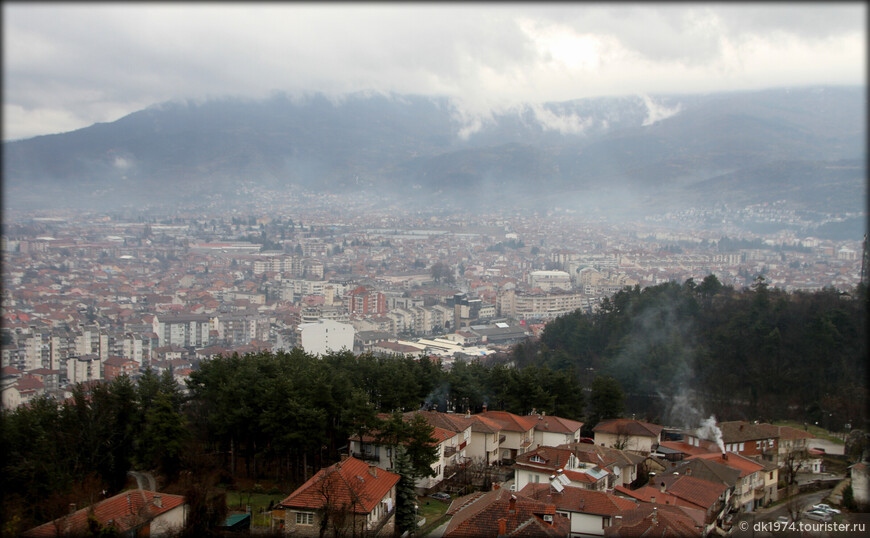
406	499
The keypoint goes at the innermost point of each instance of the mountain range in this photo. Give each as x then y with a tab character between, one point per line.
635	154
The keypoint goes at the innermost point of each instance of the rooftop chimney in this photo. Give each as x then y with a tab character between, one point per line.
502	526
512	505
484	408
158	502
725	456
373	471
72	508
129	504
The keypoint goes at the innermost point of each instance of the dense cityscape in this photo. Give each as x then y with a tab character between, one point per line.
109	288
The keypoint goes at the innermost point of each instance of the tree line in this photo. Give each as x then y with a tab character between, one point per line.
280	416
755	353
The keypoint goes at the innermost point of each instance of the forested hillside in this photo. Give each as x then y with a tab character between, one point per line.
682	352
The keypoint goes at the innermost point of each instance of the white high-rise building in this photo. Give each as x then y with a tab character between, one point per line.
324	336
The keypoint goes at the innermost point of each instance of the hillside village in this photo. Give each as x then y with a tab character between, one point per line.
535	475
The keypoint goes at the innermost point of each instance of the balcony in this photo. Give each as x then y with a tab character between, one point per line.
501	439
526	443
449	451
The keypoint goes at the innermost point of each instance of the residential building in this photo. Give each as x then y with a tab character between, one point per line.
131	513
349	497
551	430
628	434
543	463
590	512
325	336
519	433
502	513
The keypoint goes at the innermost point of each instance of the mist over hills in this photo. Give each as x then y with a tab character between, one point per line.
627	155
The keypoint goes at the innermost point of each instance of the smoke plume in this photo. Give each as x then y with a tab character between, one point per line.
711	432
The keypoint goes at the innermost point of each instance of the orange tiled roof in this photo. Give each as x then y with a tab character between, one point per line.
627	426
126	511
745	465
576	499
700	492
350	483
555	424
653	520
524	517
509	421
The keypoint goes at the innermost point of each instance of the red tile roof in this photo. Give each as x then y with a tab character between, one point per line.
484	514
706	447
650	521
649	494
627	426
555	424
697	491
126	511
348	483
745	465
509	421
575	499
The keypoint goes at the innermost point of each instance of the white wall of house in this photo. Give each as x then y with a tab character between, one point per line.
170	521
636	443
586	524
543	438
483	447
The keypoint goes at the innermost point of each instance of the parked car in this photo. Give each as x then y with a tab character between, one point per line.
441	496
587	440
825	508
818	515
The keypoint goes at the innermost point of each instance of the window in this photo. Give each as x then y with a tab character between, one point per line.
536	459
741	448
305	518
757	444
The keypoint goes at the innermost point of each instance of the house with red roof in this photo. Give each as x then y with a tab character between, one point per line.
518	432
132	513
622	464
590	512
349	497
545	462
688	491
628	434
551	430
503	513
757	484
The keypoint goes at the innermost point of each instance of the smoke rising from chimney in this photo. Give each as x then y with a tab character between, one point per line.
711	432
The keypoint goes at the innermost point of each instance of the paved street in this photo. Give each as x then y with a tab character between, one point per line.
752	524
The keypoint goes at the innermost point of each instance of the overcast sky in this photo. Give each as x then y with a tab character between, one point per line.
67	66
